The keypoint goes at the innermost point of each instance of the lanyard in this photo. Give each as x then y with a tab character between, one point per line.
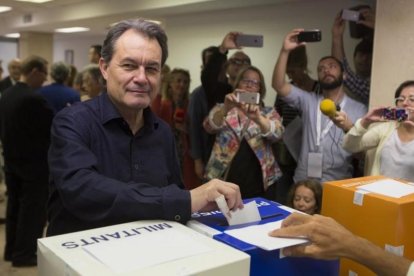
320	134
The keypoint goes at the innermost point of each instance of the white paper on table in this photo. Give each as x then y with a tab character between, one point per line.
142	251
249	213
388	187
258	235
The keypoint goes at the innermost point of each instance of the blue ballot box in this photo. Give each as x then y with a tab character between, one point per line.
263	262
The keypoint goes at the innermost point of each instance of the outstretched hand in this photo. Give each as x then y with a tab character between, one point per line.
229	42
291	40
327	238
373	116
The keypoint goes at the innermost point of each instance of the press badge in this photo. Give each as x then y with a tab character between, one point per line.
315	164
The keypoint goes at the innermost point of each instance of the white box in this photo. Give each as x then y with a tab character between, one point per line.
126	246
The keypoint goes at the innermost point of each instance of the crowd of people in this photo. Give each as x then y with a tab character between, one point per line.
140	146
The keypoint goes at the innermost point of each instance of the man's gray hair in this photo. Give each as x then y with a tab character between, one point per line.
147	28
59	71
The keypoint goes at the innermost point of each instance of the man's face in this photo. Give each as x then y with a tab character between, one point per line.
93	55
236	63
14	70
134	74
179	86
363	64
329	74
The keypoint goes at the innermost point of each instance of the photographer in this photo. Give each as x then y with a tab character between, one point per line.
244	131
388	144
358	82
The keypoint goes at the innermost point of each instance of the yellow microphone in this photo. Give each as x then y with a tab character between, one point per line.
328	108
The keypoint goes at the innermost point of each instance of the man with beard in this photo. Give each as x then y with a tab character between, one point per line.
321	156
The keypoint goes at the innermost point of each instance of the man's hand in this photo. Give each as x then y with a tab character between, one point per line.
342	121
338	27
203	197
328	239
291	40
229	42
369	18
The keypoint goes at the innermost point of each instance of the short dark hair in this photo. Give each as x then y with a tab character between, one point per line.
147	28
364	46
401	87
298	58
32	62
59	71
210	49
341	65
312	185
97	48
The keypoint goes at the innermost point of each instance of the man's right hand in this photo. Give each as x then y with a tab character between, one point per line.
203	197
291	40
338	27
229	42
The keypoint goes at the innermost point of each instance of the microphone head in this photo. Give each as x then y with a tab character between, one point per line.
328	107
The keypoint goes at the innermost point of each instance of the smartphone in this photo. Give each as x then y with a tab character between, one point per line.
310	36
247	40
351	15
248	97
396	114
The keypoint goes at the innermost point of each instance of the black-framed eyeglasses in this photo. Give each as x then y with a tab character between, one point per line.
251	83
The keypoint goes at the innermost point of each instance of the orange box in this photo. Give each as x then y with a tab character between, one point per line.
388	222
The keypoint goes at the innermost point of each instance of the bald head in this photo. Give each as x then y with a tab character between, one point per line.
14	68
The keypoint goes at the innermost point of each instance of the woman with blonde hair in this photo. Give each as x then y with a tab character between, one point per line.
172	108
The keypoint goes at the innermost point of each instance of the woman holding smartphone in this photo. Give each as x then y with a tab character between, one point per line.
242	152
389	144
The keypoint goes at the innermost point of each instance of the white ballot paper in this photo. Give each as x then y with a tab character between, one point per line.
249	213
258	235
388	187
142	251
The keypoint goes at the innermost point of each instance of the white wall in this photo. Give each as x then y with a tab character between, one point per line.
8	51
189	34
393	59
80	46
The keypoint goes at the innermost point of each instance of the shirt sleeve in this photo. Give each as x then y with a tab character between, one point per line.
90	195
359	139
356	85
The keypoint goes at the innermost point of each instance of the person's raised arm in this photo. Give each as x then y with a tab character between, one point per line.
279	82
330	240
338	37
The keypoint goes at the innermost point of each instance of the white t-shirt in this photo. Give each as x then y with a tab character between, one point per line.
397	158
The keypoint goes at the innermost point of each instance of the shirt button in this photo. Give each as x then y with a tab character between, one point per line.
136	166
177	217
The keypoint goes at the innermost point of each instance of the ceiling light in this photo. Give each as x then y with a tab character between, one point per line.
5	8
72	30
12	35
34	1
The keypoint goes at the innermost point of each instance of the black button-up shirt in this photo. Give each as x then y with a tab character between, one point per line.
102	174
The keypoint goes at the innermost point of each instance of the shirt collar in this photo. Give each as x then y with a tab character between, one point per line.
110	112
